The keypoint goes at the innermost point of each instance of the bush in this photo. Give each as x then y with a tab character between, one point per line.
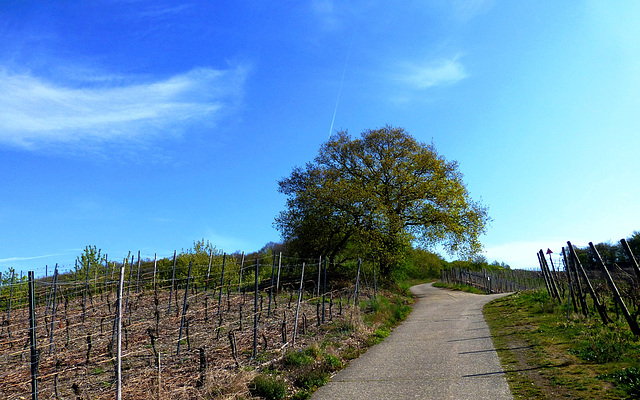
311	378
296	359
332	363
269	387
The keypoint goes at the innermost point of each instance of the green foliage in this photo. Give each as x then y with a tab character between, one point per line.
628	379
531	334
269	387
310	378
458	287
422	264
332	362
602	346
374	196
301	395
296	359
90	260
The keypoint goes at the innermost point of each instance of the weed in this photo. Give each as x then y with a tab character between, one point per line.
296	359
269	387
603	347
343	326
310	378
628	379
332	363
301	395
312	351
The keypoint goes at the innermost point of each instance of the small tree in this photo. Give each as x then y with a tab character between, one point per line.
90	260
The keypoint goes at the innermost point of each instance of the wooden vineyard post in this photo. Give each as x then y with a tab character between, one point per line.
295	324
53	307
634	263
173	279
355	292
553	288
240	274
32	338
596	302
576	277
273	270
106	271
319	271
572	297
324	288
119	334
138	275
224	260
552	275
13	275
630	320
375	282
255	312
155	272
544	275
126	302
279	267
184	308
206	284
86	290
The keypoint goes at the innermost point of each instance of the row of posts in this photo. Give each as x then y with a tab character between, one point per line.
119	309
576	273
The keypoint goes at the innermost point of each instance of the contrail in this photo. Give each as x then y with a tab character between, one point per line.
344	70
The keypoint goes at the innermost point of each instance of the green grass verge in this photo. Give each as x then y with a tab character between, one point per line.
547	354
346	338
458	287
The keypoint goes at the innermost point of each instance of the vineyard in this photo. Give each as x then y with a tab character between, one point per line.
588	286
169	328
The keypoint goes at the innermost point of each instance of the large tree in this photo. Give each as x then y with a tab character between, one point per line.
377	195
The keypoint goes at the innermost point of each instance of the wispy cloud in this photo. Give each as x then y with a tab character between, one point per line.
16	259
434	73
465	10
35	111
162	11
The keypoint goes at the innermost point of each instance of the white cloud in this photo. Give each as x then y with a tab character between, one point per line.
441	72
35	111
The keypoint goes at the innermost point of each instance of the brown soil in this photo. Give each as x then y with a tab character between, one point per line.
80	365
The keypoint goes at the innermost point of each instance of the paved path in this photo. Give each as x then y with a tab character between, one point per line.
443	350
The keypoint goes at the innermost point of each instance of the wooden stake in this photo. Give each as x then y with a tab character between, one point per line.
295	324
633	324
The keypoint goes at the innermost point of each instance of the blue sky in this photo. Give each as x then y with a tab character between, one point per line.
146	125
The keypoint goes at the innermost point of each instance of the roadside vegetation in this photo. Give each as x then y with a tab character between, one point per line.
547	354
298	373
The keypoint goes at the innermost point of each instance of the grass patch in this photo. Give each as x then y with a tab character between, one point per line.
546	354
347	338
268	387
458	287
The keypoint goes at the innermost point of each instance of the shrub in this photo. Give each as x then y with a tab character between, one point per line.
296	359
269	387
310	378
332	363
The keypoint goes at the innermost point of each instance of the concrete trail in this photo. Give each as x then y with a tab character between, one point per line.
443	350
